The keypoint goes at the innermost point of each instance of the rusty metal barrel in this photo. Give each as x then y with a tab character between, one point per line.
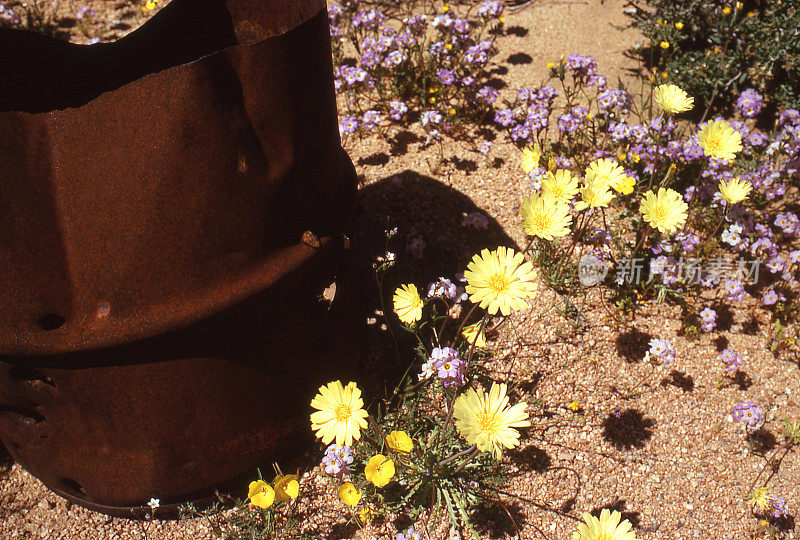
172	206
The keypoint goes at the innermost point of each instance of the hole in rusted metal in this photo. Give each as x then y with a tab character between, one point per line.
51	321
103	309
21	374
27	415
68	484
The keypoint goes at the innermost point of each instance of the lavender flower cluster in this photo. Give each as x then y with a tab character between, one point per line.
435	65
410	534
448	367
749	414
661	350
528	116
337	460
732	359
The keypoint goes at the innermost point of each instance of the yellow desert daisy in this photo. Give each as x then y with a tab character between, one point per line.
340	414
759	498
470	333
545	217
594	194
500	280
379	470
260	494
561	185
605	171
607	527
664	211
487	421
719	140
408	304
673	99
399	441
735	190
530	158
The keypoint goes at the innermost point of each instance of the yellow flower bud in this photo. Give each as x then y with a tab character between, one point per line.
287	488
671	170
399	441
501	19
379	470
445	8
739	5
750	14
449	46
365	515
726	10
349	494
550	65
664	45
260	494
679	25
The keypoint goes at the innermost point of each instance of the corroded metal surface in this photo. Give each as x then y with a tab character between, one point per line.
162	328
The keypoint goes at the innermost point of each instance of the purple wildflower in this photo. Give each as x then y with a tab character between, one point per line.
750	103
337	460
750	414
709	319
778	507
443	288
394	58
505	117
491	9
431	117
410	534
662	349
348	124
772	297
397	110
461	26
371	119
476	220
488	94
734	290
449	367
731	358
446	76
758	138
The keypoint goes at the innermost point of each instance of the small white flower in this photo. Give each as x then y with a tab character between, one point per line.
154	503
428	369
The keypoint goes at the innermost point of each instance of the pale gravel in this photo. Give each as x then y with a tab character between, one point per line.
686	475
